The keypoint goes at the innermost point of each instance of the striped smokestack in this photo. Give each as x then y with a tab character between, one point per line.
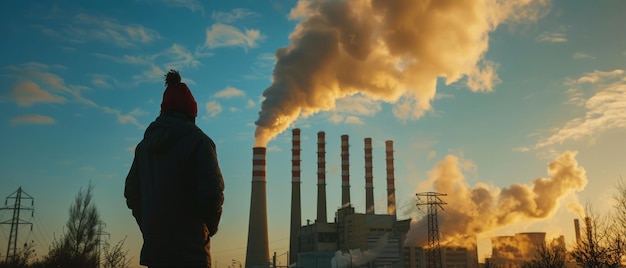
257	252
321	177
345	171
369	185
296	215
391	189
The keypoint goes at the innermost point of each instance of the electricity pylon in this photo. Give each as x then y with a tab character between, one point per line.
101	242
15	221
433	202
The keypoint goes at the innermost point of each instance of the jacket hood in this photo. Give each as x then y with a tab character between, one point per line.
165	131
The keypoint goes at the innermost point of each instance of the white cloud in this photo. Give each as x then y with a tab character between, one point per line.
229	92
213	108
251	104
178	56
33	119
336	118
27	93
84	28
484	77
521	149
236	14
552	37
441	95
138	112
262	67
222	35
121	117
193	5
353	120
604	110
581	55
175	57
104	81
595	77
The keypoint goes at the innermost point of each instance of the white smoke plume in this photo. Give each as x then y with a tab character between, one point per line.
388	50
471	211
356	257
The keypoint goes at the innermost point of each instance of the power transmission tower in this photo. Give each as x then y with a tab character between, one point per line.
433	202
15	221
101	242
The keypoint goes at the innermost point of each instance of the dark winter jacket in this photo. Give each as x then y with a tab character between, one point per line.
175	191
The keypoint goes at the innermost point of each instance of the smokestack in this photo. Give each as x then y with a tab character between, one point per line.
391	189
577	230
257	252
296	214
345	171
321	177
369	185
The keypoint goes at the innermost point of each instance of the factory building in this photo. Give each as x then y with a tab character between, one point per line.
351	239
355	239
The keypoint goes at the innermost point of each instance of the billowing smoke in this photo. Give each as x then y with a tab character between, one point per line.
388	50
356	257
471	211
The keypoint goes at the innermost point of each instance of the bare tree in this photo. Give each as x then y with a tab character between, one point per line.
617	234
490	263
22	257
548	256
620	204
596	246
116	256
77	247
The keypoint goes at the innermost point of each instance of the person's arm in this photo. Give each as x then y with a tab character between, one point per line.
210	186
132	192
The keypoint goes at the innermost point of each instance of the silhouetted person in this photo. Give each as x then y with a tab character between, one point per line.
175	187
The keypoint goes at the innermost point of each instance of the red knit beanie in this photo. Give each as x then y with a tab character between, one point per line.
177	96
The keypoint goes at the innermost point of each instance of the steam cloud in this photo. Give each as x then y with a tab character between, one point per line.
388	50
471	211
356	257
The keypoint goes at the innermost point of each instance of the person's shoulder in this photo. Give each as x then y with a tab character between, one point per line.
198	132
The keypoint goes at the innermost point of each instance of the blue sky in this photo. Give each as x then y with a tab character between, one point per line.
495	94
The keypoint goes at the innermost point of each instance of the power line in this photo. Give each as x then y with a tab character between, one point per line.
43	234
16	221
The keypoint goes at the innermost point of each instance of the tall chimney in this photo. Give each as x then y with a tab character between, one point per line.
577	230
345	171
321	177
257	252
296	214
391	189
369	185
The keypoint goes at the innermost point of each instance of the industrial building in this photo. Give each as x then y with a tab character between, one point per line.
350	239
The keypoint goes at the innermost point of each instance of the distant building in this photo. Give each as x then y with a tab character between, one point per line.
369	240
513	251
